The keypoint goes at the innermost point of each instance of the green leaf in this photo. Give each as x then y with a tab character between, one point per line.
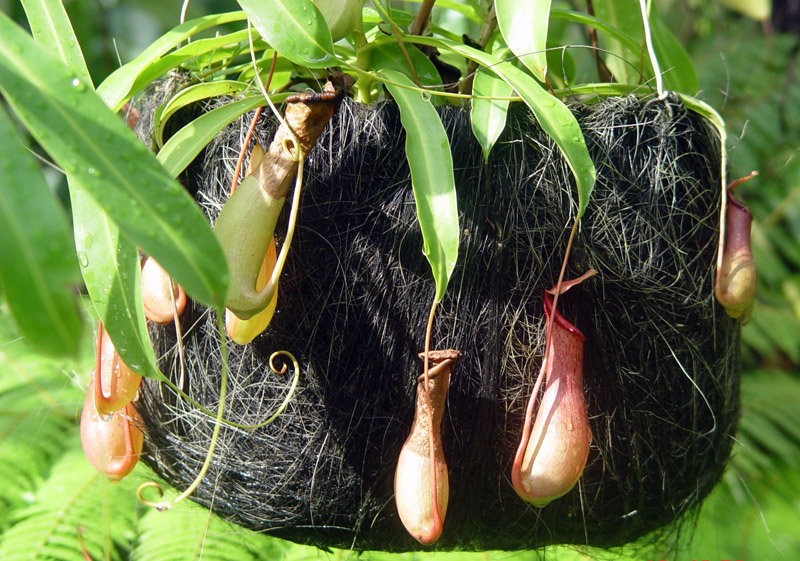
188	96
294	28
101	155
676	67
488	116
194	50
384	9
114	282
596	23
51	27
431	165
128	79
626	17
523	24
186	144
389	56
38	272
553	116
561	68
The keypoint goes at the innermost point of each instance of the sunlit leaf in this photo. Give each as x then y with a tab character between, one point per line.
190	532
625	16
553	116
596	23
51	27
101	155
523	24
561	69
186	144
73	495
676	67
188	96
128	79
294	28
431	165
471	9
389	56
488	116
116	296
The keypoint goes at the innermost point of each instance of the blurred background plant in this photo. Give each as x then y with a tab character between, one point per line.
745	55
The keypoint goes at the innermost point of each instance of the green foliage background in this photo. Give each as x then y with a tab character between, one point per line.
49	495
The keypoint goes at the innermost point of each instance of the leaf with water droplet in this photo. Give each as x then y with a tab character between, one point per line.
431	165
78	125
113	281
51	28
302	35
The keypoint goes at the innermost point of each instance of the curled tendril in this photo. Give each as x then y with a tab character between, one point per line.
290	393
166	505
223	388
290	146
158	505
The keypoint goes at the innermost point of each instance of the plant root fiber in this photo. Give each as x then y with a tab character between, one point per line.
661	366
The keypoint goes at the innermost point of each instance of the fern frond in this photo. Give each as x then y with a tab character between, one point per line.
768	448
189	532
73	497
38	406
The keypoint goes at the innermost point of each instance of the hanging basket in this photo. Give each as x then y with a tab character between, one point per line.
661	356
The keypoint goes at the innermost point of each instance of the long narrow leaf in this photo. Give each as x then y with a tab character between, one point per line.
431	165
51	27
120	306
598	24
195	49
188	96
626	17
186	144
115	285
471	9
124	82
389	56
677	67
488	116
101	155
553	116
294	28
38	272
523	24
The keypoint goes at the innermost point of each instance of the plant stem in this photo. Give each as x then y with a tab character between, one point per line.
603	73
421	19
489	25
